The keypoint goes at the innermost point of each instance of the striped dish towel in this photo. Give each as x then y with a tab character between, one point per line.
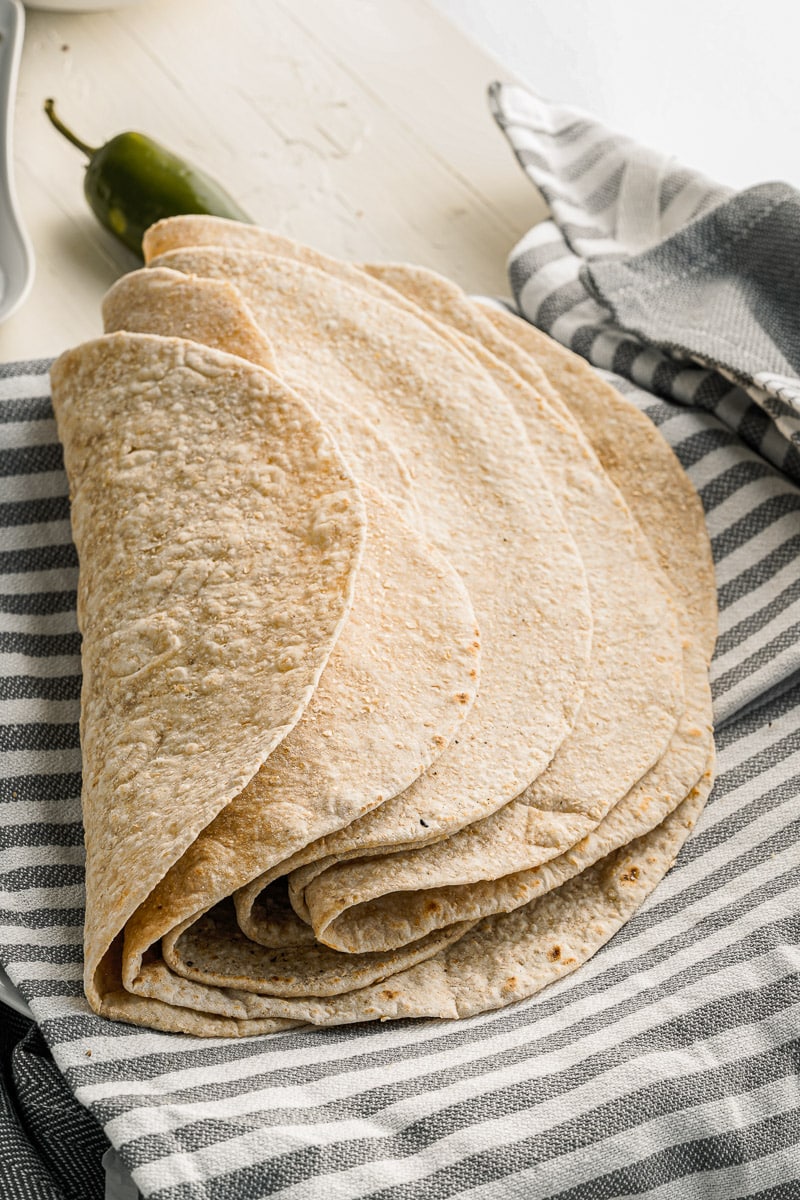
682	294
667	1066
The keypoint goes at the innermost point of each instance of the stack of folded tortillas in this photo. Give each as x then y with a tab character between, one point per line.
396	626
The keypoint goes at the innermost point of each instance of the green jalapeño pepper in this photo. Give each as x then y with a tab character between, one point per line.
132	181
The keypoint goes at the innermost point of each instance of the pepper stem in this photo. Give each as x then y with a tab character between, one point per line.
50	109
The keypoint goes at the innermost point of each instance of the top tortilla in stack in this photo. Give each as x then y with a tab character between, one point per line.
209	976
439	655
219	534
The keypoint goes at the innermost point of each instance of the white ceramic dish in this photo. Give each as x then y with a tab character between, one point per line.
16	253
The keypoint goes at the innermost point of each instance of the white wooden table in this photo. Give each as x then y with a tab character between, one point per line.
359	126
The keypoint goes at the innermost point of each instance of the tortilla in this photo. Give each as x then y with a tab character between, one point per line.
485	506
501	959
434	412
638	460
634	689
219	534
208	311
212	312
394	694
633	699
402	916
140	933
630	448
484	863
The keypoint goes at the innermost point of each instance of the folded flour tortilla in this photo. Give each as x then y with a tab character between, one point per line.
507	845
633	698
460	948
486	507
133	307
219	534
635	457
625	724
212	312
632	451
393	696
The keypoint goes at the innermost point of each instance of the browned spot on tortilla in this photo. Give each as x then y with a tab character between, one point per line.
630	876
555	954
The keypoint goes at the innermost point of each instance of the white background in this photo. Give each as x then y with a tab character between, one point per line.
716	83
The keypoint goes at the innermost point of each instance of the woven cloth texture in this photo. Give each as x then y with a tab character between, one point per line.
667	1066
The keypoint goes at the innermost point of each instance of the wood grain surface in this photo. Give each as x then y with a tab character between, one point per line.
359	126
